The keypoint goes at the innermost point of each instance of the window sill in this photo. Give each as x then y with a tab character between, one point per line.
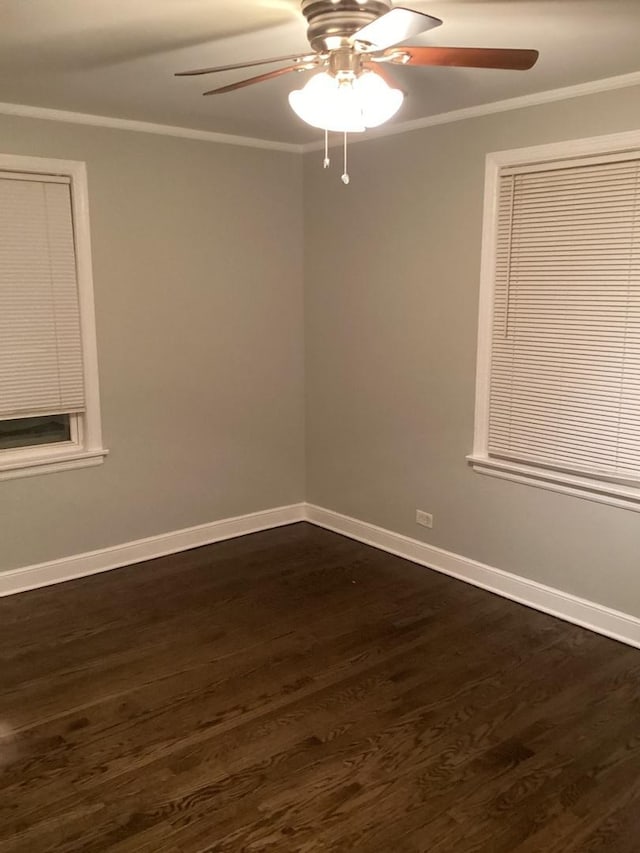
51	463
601	491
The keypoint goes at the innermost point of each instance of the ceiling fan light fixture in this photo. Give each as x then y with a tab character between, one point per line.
346	104
380	102
328	104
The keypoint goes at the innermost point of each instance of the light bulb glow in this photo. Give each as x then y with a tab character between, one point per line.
348	105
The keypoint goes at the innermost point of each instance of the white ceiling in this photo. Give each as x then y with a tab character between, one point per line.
117	57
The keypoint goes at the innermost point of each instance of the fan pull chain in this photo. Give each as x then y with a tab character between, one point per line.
345	174
327	161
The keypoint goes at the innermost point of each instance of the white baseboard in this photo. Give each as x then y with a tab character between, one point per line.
587	614
105	559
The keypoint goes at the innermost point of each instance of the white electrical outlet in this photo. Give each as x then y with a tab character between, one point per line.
424	518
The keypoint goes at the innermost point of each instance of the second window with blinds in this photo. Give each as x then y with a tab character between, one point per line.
558	386
49	409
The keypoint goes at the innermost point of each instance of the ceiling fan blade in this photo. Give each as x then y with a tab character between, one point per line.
259	79
465	57
394	27
239	65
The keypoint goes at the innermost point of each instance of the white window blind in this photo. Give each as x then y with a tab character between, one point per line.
565	354
41	369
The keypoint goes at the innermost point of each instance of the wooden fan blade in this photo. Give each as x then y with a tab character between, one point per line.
259	79
394	27
239	65
465	57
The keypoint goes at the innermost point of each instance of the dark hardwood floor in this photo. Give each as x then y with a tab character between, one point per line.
296	691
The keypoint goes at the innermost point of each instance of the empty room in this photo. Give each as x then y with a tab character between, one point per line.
319	426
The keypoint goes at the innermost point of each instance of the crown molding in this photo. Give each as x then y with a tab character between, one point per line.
26	111
594	87
607	84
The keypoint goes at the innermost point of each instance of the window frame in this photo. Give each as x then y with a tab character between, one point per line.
597	488
85	448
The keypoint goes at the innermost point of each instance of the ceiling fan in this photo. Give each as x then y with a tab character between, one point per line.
349	36
353	43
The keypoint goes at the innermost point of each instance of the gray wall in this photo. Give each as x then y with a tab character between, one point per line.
198	267
392	275
197	253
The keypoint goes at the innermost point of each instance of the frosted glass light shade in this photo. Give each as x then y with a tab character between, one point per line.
346	105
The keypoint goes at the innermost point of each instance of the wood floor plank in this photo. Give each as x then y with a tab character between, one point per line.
297	691
388	739
409	769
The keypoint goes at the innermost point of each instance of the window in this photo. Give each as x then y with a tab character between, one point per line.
558	386
49	409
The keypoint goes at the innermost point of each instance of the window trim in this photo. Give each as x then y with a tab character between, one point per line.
87	450
597	489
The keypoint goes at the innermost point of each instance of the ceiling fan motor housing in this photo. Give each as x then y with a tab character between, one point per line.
332	23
